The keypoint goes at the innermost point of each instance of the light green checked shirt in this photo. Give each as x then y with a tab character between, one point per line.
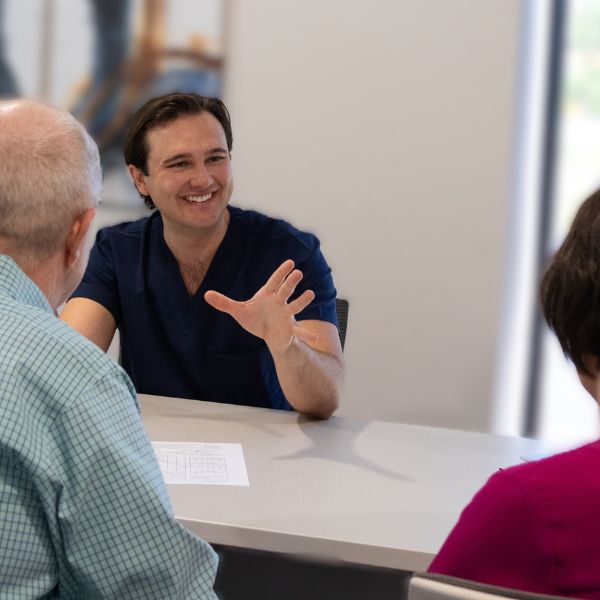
84	511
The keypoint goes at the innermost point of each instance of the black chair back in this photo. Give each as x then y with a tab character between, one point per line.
341	307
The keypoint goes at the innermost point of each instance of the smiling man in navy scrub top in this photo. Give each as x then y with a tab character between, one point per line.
212	302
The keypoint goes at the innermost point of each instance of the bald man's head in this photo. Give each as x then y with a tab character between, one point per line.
49	173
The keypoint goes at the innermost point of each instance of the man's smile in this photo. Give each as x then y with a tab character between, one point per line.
202	198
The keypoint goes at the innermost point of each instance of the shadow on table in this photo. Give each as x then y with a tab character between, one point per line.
341	445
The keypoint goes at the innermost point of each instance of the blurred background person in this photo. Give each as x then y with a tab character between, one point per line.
8	85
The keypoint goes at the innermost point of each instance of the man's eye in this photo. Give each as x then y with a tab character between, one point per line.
216	158
178	165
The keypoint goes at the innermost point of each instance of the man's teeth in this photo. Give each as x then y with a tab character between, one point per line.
199	198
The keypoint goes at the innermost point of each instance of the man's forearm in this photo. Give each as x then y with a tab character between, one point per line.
311	380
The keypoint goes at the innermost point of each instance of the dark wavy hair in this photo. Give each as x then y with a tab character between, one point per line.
161	110
570	289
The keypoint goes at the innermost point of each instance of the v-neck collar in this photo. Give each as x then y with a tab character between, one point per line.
222	269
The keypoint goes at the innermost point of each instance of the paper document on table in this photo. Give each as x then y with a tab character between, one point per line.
201	463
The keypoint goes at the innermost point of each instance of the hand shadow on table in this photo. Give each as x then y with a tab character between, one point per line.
344	451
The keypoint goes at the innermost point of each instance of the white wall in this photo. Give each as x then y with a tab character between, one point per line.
386	128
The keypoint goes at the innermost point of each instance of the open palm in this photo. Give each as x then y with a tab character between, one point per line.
268	314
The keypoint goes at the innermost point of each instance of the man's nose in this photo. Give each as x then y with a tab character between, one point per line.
201	177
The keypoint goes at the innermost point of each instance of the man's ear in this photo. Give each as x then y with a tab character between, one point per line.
77	236
139	179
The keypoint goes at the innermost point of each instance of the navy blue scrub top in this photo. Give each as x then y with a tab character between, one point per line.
174	344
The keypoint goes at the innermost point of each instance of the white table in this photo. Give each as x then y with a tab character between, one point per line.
366	492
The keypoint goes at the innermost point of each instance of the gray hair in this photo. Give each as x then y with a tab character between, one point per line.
49	174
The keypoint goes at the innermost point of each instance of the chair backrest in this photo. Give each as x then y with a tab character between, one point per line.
432	586
341	308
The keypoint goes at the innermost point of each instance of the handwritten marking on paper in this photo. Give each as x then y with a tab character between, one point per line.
201	463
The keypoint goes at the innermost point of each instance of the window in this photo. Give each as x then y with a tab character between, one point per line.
556	166
565	411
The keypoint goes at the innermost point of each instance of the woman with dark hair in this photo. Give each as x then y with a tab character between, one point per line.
536	526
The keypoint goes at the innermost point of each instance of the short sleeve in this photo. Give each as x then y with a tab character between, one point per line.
99	282
498	538
318	278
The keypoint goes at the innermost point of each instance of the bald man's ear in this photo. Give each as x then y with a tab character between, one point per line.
76	240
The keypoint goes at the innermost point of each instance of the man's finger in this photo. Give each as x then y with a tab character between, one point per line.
220	302
300	303
274	282
289	285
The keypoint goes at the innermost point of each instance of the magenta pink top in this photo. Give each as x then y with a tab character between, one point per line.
533	527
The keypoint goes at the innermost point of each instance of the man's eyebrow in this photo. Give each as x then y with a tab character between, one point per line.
176	157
